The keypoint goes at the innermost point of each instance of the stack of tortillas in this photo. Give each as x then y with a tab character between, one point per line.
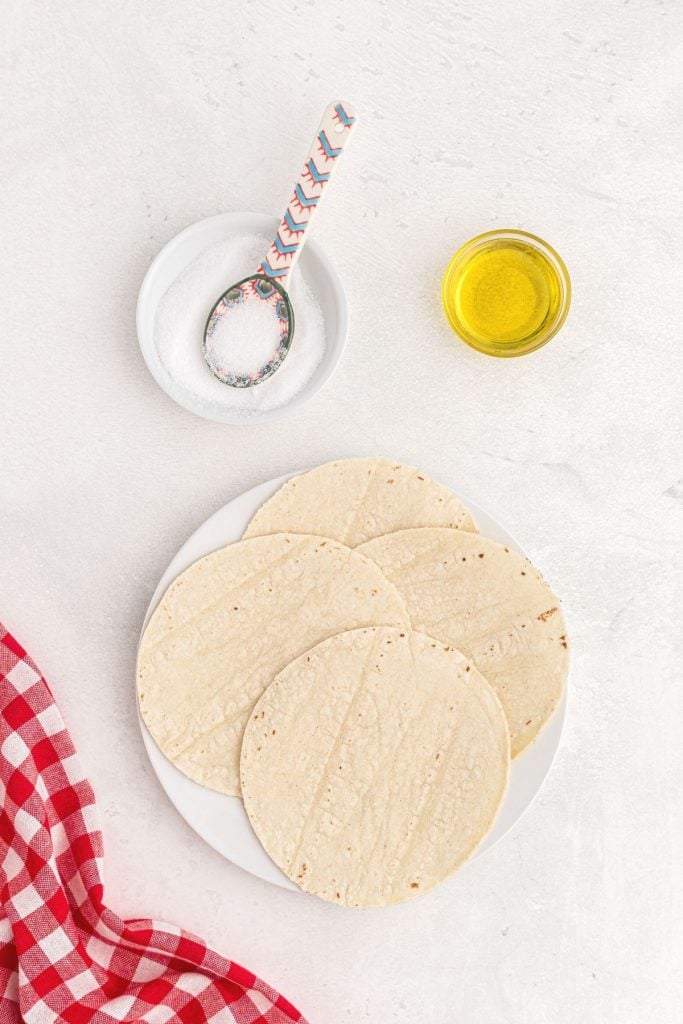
360	667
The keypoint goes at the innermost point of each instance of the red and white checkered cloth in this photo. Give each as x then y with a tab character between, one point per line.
64	956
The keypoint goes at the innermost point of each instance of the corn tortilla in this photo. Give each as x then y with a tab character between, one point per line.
374	765
228	624
354	500
490	603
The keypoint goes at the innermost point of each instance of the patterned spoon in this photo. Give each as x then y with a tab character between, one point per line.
258	309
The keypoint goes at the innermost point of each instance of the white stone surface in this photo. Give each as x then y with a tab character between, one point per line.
121	124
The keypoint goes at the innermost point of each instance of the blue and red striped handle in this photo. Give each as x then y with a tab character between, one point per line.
333	134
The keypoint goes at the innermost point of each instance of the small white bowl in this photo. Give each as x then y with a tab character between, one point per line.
185	247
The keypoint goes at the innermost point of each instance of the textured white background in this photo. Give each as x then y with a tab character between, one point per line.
121	124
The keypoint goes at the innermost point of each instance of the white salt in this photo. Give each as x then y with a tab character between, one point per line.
184	309
246	337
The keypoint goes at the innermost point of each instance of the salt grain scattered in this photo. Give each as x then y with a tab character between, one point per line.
182	314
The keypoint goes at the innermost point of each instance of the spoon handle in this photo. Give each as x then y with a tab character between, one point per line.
332	135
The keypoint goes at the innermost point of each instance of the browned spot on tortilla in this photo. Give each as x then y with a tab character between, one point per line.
414	885
546	615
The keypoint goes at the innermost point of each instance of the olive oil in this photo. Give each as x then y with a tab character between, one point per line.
506	293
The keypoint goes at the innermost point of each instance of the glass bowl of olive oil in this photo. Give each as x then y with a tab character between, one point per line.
506	293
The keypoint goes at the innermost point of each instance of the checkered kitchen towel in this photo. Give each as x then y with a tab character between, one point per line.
64	956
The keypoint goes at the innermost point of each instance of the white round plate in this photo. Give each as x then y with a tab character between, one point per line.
319	273
221	820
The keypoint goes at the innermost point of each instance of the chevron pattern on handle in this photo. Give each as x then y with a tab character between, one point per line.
327	146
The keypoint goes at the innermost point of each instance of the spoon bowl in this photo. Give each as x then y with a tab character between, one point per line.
273	316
